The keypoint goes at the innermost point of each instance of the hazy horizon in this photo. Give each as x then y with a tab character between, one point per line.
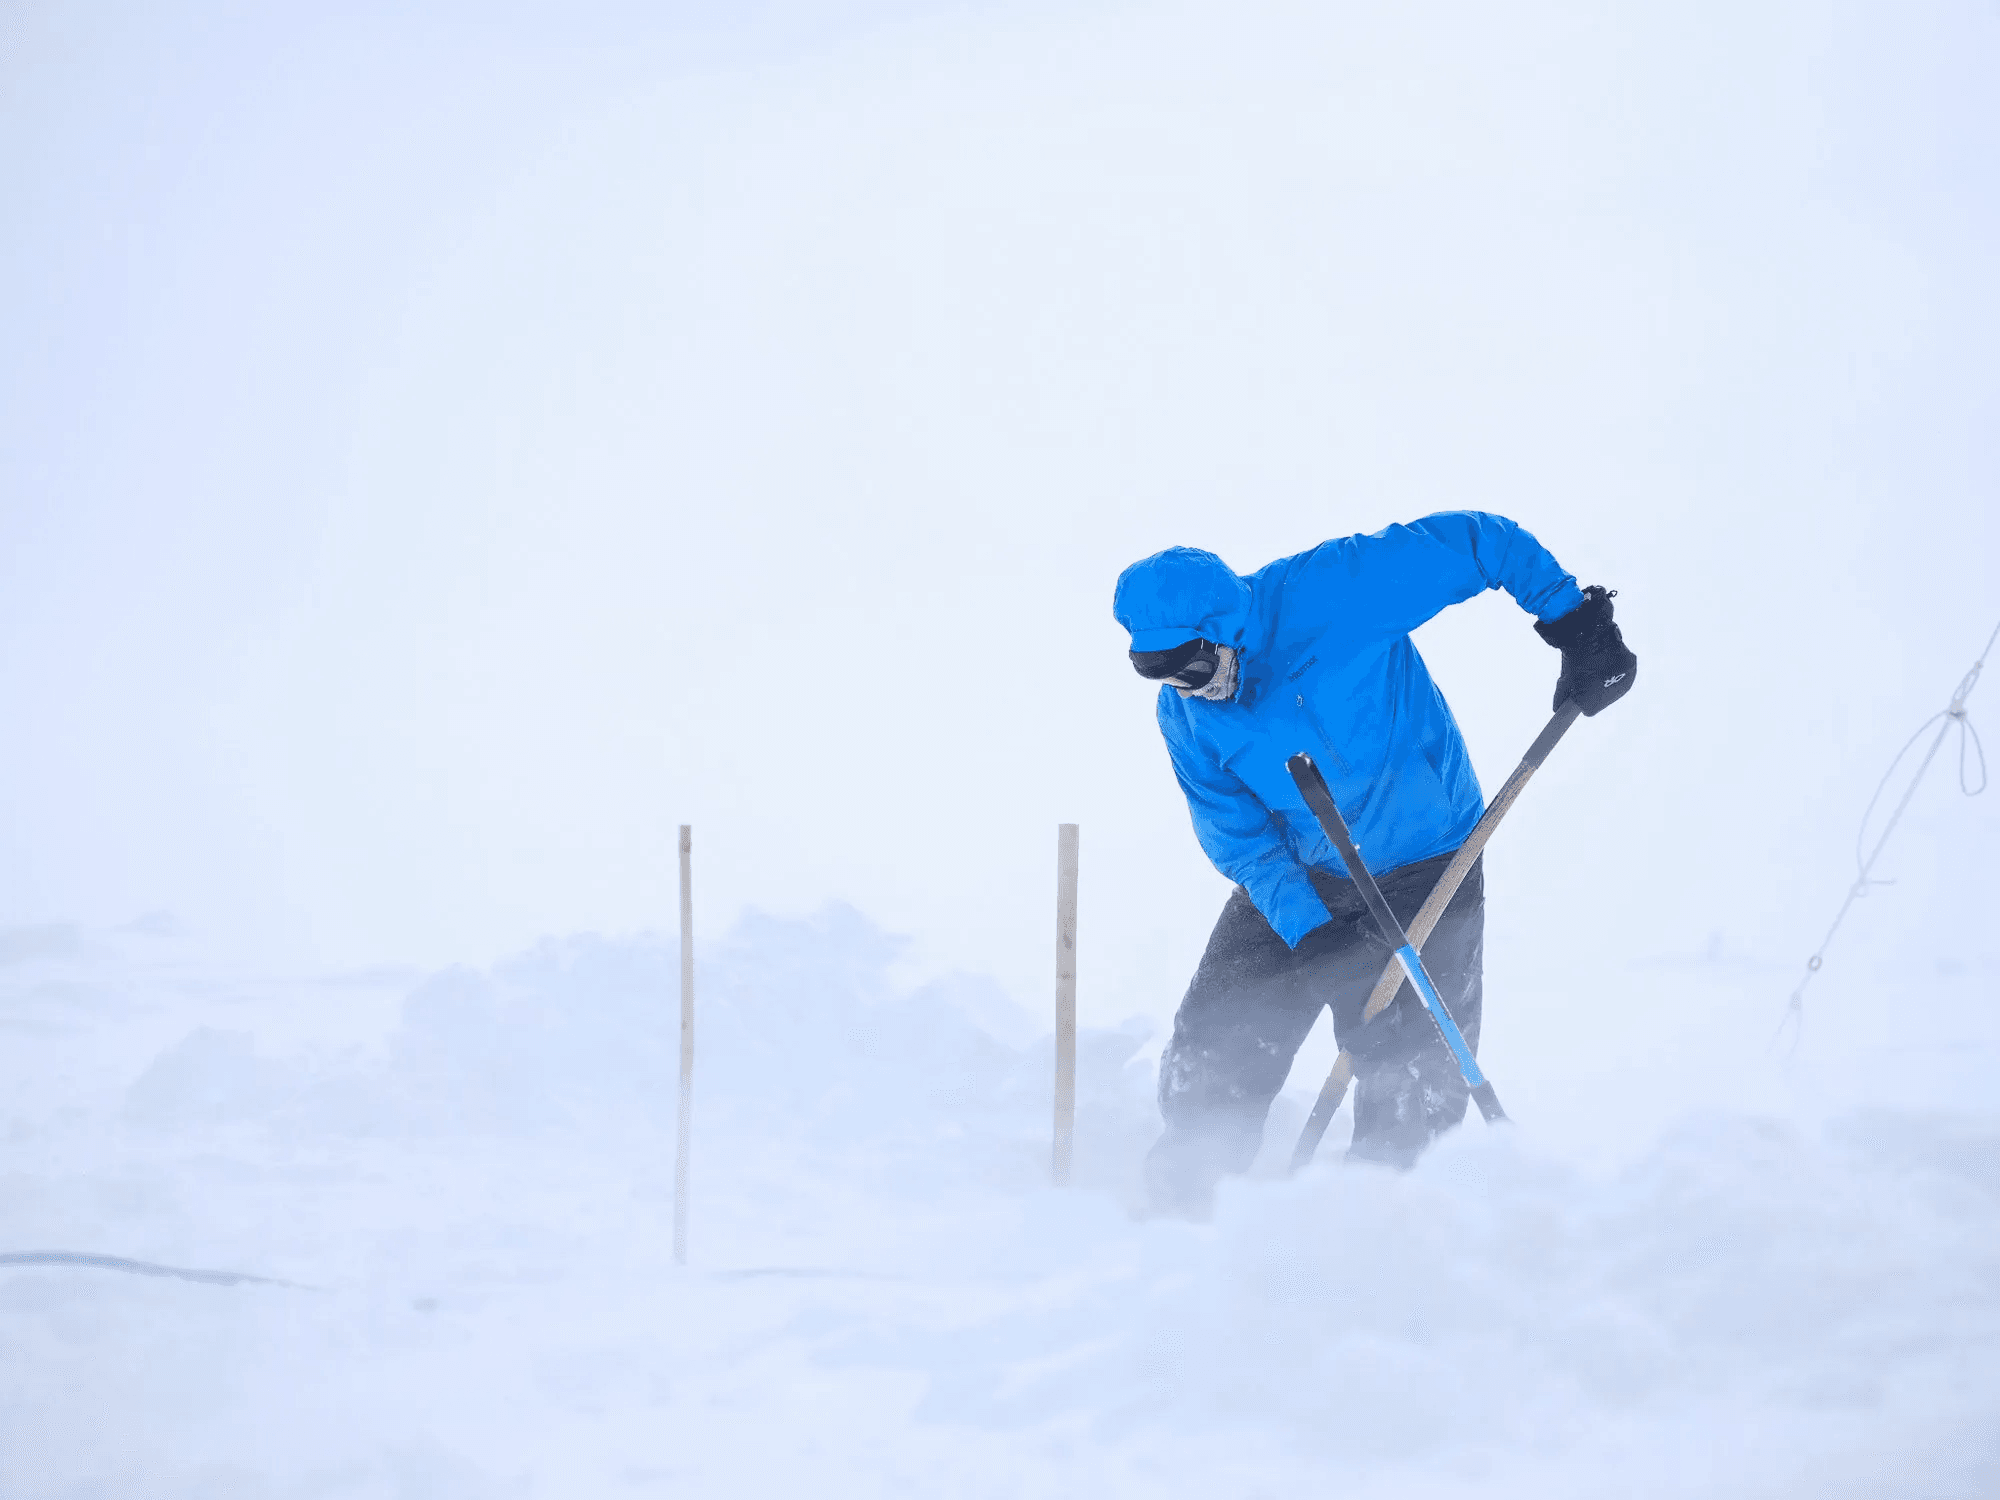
442	455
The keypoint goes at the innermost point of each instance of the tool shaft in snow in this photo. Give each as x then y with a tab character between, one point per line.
1312	786
1065	1122
684	1114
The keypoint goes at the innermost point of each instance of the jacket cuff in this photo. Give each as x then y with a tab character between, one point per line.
1296	909
1562	602
1566	632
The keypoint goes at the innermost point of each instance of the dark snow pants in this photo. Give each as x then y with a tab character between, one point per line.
1253	1000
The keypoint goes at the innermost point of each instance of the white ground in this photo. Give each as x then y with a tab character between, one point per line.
445	446
471	1172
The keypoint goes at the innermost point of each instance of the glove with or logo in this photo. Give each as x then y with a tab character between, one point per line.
1597	670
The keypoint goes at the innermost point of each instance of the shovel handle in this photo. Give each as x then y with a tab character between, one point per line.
1334	1090
1428	915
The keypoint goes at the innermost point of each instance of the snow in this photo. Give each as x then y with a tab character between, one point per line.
444	448
468	1175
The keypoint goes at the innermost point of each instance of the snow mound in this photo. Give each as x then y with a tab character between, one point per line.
886	1296
1740	1287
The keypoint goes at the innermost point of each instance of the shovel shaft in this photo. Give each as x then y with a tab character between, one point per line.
1468	1065
1428	916
1422	925
1312	786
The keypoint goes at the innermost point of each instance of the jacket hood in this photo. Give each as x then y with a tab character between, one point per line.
1179	594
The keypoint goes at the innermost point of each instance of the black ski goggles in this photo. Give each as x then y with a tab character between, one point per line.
1188	665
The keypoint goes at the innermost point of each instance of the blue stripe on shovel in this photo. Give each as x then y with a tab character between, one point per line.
1467	1064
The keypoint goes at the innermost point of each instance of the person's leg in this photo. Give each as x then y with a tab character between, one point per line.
1407	1087
1237	1030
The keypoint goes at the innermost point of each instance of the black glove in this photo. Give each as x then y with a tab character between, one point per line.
1597	670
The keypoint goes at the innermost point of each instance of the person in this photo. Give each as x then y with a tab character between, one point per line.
1313	653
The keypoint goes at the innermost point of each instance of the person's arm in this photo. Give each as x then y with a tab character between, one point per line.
1393	581
1241	836
1403	575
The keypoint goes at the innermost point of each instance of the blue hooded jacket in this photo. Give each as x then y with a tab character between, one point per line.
1326	665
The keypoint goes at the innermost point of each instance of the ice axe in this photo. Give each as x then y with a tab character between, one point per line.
1406	963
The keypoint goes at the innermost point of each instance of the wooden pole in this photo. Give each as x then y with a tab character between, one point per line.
685	1116
1065	1136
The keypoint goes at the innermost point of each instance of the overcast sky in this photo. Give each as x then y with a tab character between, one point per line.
439	455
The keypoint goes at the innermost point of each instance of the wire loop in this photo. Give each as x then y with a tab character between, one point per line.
1953	714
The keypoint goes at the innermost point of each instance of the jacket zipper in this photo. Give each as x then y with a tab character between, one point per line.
1325	739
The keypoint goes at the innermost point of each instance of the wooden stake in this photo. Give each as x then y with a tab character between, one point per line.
1065	1139
685	1117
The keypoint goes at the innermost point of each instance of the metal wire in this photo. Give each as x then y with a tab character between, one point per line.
1952	714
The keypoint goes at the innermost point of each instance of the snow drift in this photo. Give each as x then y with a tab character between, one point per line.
886	1298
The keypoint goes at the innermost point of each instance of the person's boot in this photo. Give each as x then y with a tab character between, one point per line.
1184	1167
1179	1185
1400	1108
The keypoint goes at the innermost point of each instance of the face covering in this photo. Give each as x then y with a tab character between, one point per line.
1220	683
1194	669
